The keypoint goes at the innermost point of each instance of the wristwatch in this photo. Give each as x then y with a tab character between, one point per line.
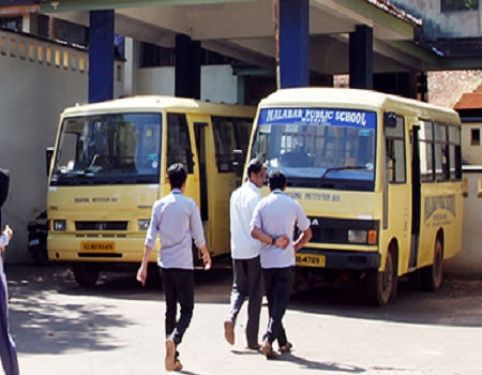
273	240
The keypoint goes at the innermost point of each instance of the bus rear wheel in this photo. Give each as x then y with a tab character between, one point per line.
382	285
85	275
431	277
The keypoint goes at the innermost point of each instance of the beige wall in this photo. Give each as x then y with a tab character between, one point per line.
471	153
218	83
469	261
38	80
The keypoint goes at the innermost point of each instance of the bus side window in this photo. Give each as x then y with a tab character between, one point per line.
178	142
426	151
225	142
455	156
395	147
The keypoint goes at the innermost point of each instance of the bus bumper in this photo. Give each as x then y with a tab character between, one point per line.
336	259
72	249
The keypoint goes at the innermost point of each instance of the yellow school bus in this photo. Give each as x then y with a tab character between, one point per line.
378	175
108	167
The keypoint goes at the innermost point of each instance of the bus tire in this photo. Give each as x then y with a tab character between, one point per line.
382	285
431	277
85	275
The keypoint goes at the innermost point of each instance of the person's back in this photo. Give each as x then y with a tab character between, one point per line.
175	216
279	215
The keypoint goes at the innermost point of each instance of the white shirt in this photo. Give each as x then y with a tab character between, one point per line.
177	221
276	215
241	207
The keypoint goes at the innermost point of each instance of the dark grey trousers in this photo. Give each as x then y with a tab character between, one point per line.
178	287
8	352
278	283
247	283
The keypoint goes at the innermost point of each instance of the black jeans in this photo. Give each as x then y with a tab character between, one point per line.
247	283
178	287
278	283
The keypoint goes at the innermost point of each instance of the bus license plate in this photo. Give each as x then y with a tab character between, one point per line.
310	260
97	246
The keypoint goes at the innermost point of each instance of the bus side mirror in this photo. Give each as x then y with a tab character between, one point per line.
49	152
390	120
238	160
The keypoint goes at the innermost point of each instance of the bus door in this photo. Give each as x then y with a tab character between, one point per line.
416	196
181	148
397	192
200	125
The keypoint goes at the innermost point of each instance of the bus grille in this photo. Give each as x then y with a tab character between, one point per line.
101	225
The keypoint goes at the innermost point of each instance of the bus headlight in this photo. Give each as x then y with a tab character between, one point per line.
59	225
357	236
369	237
143	224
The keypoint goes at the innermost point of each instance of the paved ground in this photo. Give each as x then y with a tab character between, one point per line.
118	329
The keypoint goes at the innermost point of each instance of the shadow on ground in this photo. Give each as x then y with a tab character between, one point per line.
457	303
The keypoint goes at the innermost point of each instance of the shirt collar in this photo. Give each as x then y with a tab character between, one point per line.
277	191
176	191
251	185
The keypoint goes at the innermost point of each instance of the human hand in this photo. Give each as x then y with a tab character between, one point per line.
7	231
206	260
142	275
282	242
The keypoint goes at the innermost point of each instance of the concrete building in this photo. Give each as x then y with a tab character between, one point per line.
192	46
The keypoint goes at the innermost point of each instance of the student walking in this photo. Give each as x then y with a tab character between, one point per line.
245	256
273	223
176	219
8	352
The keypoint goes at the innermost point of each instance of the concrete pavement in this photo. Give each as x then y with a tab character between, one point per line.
118	329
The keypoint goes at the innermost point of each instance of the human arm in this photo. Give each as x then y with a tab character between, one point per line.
149	244
304	226
142	271
198	235
303	239
279	241
5	237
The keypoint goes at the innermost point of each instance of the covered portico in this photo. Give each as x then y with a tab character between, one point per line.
308	41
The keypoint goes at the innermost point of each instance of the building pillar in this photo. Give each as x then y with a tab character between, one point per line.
294	39
101	56
361	57
188	67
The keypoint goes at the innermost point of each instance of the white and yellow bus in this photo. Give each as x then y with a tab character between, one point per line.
109	165
378	175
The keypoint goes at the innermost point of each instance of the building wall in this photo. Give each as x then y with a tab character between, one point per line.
443	24
469	261
218	83
472	152
38	80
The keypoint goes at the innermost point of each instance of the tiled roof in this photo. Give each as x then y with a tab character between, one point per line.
471	100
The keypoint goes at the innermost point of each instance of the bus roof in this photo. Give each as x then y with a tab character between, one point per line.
356	98
152	103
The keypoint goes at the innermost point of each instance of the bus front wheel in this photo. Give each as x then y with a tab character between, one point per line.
431	276
382	285
85	275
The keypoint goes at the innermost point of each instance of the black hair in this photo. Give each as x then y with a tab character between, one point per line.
255	166
177	175
277	180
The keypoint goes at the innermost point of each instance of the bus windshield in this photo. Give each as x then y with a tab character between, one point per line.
319	147
108	149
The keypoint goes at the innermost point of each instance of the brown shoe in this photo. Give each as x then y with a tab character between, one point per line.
286	348
170	361
177	365
267	350
229	332
256	347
